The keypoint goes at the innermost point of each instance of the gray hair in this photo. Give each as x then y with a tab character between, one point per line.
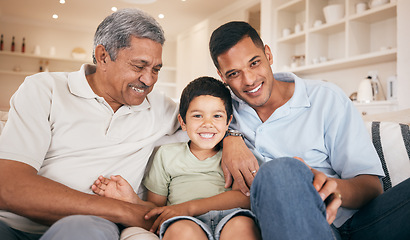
115	31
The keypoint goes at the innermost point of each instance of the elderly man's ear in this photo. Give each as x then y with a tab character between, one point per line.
101	55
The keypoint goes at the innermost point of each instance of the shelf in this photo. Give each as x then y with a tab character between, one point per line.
16	73
29	55
361	60
362	39
329	28
376	14
293	6
293	38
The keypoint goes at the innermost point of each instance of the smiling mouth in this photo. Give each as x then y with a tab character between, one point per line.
255	89
207	135
137	88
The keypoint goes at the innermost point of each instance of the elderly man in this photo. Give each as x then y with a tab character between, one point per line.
66	129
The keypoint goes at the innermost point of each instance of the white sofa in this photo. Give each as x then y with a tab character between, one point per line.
390	135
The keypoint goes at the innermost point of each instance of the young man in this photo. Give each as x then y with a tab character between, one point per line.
187	179
65	129
281	116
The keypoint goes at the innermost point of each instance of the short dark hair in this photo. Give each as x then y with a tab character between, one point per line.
205	86
228	35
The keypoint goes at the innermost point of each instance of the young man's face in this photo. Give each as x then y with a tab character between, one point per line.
206	122
134	72
246	69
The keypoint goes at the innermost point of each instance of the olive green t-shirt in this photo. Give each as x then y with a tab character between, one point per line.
177	174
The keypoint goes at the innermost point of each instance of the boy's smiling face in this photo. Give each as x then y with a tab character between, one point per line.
206	124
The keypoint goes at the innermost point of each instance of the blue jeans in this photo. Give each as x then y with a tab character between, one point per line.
386	217
287	206
74	227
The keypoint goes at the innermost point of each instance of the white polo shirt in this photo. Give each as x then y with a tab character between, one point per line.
58	125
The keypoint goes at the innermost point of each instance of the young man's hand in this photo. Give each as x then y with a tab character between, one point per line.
238	163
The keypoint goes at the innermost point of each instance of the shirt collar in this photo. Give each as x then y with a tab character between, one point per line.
300	96
78	84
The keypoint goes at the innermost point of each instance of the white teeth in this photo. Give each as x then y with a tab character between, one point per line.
256	89
206	135
137	89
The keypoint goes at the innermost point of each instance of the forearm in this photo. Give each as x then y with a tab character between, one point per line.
223	201
25	193
358	191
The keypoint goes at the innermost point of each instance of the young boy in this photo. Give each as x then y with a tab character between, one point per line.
186	181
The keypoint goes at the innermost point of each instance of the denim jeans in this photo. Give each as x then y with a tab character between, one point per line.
386	217
287	206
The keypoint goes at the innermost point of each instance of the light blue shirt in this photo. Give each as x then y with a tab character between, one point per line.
319	124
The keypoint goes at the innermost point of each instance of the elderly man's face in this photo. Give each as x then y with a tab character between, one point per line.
133	74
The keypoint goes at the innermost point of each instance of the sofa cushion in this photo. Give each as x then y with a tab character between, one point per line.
392	143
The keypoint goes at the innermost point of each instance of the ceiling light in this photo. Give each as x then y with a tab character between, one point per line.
55	16
114	9
161	15
62	1
139	1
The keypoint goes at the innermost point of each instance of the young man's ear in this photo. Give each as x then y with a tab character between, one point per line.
181	121
101	55
268	54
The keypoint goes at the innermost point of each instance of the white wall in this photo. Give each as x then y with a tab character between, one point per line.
403	53
193	58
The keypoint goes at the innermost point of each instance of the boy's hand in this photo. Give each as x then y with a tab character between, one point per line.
165	213
116	187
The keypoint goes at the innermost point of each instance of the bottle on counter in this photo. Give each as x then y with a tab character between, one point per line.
1	43
13	45
40	69
23	46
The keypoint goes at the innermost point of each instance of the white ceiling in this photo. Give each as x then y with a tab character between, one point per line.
87	14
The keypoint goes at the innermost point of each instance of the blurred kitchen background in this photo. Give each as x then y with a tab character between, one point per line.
360	45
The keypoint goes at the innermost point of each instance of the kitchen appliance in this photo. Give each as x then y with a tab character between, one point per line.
370	89
365	91
391	88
